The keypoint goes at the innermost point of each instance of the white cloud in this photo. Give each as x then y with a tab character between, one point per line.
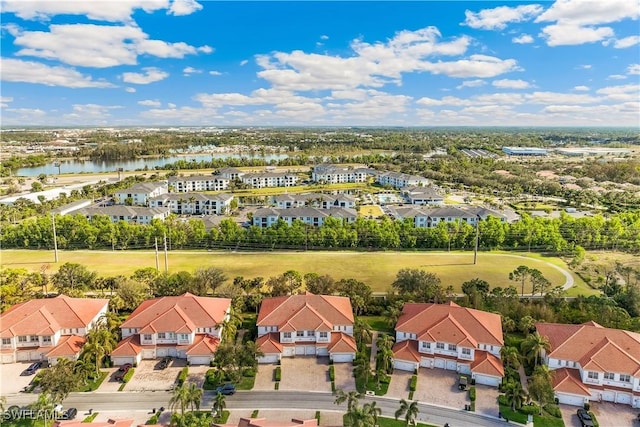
184	7
170	105
584	67
150	103
498	18
324	37
90	113
633	69
112	11
626	42
471	83
630	92
476	66
511	84
523	39
5	100
215	73
559	98
130	89
581	88
99	46
617	77
190	70
244	62
16	70
150	75
579	22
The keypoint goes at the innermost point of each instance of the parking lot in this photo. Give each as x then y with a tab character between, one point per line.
440	387
148	377
344	376
12	382
305	373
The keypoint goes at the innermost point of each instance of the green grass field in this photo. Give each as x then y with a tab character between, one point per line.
377	269
371	211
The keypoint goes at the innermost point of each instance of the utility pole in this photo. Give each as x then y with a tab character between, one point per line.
475	249
157	260
55	238
166	255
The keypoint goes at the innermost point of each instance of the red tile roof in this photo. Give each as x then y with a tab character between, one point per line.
46	316
451	323
342	343
130	346
486	363
269	343
180	314
305	311
69	345
203	345
567	380
594	347
406	350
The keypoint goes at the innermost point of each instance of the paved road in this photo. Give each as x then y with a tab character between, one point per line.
261	400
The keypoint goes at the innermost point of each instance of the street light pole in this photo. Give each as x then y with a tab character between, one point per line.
55	238
475	249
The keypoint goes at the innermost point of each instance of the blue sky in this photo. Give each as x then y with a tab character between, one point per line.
422	63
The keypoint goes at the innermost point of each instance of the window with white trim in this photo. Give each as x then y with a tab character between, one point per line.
452	347
6	341
147	337
287	335
425	345
609	376
324	335
625	378
46	339
592	375
22	338
161	335
466	351
299	333
184	337
311	333
35	338
440	346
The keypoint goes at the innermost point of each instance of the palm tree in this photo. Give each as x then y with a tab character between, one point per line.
384	360
384	341
100	342
362	333
195	396
351	398
510	357
541	385
533	346
380	376
362	369
179	398
83	369
514	394
219	404
409	410
360	417
372	408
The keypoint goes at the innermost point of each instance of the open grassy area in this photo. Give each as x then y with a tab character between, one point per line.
371	211
377	269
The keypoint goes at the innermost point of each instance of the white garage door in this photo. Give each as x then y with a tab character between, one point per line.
310	350
464	369
570	399
452	365
322	351
440	363
7	358
623	398
426	362
162	352
609	396
487	380
342	357
199	360
268	358
404	366
288	351
300	351
117	361
149	354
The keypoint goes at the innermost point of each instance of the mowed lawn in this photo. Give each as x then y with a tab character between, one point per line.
377	269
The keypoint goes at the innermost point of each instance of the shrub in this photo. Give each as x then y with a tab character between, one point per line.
587	406
128	375
278	374
332	373
277	387
472	394
413	383
318	417
531	409
249	372
553	410
254	414
502	400
182	377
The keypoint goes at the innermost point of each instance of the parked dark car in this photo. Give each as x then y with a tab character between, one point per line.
164	362
585	418
462	382
123	371
70	414
32	369
226	389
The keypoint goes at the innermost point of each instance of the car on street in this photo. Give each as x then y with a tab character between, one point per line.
120	373
70	414
164	362
32	369
585	418
226	389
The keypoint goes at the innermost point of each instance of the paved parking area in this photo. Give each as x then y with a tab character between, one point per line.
487	400
440	387
12	382
614	415
147	377
265	376
344	376
110	384
308	373
399	385
569	416
197	374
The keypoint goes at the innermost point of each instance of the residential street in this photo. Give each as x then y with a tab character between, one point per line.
120	401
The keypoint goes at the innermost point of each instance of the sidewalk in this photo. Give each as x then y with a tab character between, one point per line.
374	349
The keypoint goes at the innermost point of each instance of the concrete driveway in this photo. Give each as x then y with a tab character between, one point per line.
440	387
569	416
197	374
12	382
308	373
614	415
147	377
487	400
344	376
399	385
265	377
110	384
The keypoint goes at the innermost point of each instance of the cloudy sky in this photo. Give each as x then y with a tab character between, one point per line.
428	63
